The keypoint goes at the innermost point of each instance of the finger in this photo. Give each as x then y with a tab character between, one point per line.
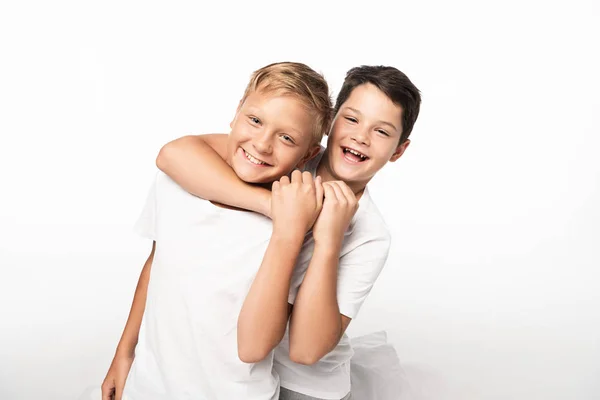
297	176
329	192
119	391
348	193
275	187
319	191
307	178
107	392
339	193
284	181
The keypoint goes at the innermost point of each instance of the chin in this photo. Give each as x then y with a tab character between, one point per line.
246	177
345	175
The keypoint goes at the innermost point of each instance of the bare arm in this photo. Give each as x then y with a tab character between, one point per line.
197	164
316	324
264	315
129	338
114	382
331	294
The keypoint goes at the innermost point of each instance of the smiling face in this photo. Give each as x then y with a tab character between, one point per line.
271	135
365	136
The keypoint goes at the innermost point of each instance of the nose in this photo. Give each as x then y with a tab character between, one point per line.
361	136
262	142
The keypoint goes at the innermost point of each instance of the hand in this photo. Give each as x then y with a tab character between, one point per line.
114	383
339	207
295	205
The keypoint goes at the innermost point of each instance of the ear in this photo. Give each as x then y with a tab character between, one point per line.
310	154
237	111
399	151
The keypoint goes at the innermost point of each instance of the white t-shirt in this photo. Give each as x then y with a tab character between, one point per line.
364	251
205	260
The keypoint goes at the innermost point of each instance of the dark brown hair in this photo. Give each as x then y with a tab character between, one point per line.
396	86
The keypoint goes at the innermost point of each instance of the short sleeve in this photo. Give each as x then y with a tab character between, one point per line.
357	272
146	223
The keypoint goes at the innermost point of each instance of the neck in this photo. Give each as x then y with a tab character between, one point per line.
326	173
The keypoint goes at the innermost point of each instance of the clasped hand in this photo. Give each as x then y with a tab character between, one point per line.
301	203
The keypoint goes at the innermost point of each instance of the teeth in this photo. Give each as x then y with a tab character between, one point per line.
356	153
253	159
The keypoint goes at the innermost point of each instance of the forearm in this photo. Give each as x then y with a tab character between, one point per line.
129	338
264	315
316	325
199	169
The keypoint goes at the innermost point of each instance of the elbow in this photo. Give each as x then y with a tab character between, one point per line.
252	353
307	349
165	155
304	356
169	153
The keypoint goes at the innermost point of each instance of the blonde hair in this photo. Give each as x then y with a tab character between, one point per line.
301	81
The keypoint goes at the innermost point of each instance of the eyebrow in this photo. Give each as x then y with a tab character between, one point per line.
380	121
289	129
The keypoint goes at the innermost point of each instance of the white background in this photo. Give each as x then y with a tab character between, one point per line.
492	288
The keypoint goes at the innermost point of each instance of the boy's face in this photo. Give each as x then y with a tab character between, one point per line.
370	124
270	135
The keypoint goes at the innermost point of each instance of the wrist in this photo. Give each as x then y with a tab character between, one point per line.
257	200
265	203
328	246
125	352
288	237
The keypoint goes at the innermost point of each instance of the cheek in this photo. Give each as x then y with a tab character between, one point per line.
383	154
338	130
289	158
240	132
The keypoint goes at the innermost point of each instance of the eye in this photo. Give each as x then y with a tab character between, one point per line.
383	132
254	120
351	119
287	138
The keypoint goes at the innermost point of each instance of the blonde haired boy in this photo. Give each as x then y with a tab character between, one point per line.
180	341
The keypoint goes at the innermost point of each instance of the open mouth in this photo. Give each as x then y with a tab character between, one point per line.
254	160
353	155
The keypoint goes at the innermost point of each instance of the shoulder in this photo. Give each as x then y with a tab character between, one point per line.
368	221
170	194
368	237
165	185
